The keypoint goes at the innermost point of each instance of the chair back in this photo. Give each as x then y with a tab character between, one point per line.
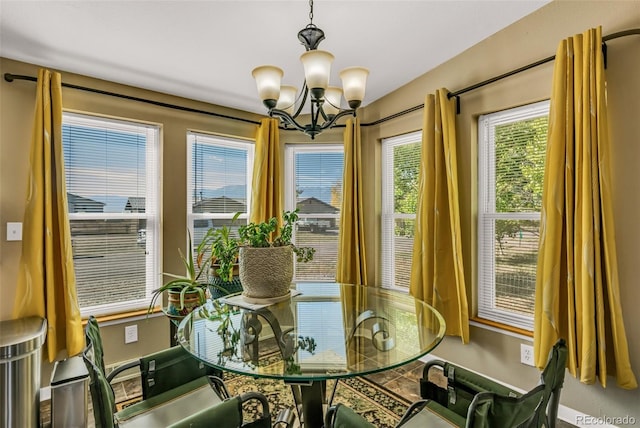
537	408
553	379
102	396
341	416
489	410
228	414
94	348
170	368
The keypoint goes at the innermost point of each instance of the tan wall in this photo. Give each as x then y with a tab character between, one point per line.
16	115
533	38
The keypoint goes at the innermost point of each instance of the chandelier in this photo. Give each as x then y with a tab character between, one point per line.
325	100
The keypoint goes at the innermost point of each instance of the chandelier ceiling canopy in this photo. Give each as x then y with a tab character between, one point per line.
325	100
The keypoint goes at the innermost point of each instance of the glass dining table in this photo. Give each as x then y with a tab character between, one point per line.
323	331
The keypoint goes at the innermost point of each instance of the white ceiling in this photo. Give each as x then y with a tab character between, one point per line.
205	50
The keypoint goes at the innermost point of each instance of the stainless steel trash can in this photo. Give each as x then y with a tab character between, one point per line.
20	359
69	397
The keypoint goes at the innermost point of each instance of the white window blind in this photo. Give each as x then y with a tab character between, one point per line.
112	180
400	170
511	156
219	182
313	183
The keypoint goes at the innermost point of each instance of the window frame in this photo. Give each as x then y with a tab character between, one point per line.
290	201
486	246
388	214
219	141
152	213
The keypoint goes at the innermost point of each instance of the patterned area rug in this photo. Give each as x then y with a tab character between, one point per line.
377	404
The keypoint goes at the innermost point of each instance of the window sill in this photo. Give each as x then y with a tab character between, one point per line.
126	316
501	328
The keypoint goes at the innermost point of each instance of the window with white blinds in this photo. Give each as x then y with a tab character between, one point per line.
313	184
218	184
112	178
511	156
400	171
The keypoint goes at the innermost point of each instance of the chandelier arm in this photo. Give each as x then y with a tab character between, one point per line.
303	94
286	118
324	115
331	121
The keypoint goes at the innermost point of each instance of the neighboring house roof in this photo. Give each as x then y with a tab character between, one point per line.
78	204
135	204
221	204
315	206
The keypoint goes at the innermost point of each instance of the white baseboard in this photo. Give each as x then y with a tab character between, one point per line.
45	393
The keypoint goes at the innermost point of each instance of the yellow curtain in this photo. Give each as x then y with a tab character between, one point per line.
351	268
437	275
46	278
577	290
266	190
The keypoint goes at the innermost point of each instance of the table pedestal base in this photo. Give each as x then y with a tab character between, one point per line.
310	397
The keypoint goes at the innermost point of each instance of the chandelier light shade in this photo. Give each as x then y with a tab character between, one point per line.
287	100
325	100
268	79
354	81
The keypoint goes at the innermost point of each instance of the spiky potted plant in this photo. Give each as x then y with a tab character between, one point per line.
266	258
184	292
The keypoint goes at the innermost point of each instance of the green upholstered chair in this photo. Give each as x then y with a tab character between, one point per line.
229	414
341	416
159	372
472	400
171	395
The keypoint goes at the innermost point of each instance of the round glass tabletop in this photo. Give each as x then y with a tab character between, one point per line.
323	331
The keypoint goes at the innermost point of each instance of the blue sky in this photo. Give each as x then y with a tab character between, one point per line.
104	165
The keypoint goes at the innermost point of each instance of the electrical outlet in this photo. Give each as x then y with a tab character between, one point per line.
131	334
526	354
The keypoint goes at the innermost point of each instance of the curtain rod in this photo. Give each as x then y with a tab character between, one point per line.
535	64
635	31
11	77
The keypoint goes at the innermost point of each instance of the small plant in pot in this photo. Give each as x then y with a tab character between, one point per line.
223	263
266	258
184	292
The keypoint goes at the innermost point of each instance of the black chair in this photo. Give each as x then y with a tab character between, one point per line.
175	387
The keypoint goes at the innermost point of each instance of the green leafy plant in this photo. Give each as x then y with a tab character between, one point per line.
267	234
189	282
224	248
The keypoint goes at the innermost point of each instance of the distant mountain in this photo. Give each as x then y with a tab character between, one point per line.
116	204
235	191
112	204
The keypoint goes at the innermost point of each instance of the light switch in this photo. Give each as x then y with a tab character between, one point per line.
14	231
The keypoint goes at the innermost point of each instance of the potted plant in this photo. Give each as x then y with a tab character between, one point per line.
223	260
266	258
184	292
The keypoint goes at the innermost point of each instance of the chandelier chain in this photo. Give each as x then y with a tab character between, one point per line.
311	12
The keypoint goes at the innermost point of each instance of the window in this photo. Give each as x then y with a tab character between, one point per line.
511	156
219	182
112	181
313	183
400	170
